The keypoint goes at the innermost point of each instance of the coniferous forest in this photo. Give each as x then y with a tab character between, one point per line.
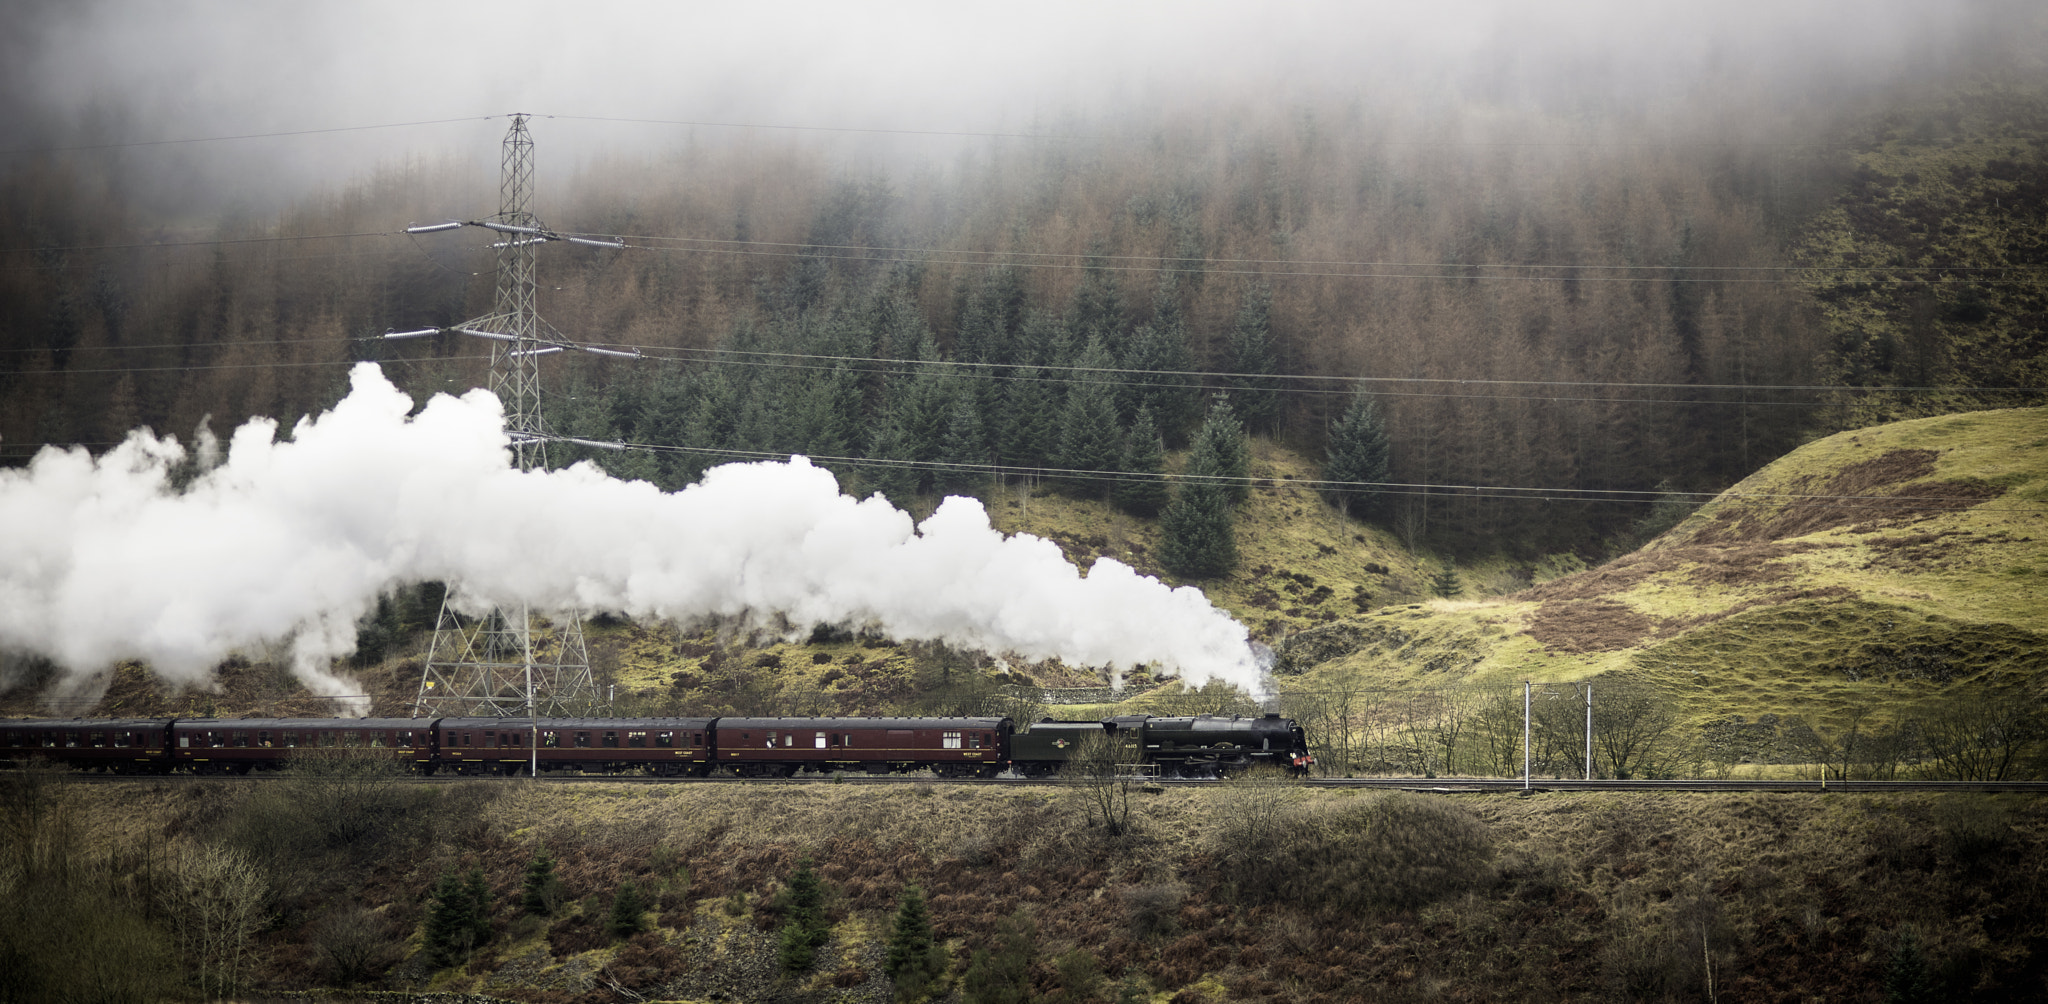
1534	296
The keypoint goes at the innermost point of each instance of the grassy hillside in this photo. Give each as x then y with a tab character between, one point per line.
1243	893
1873	567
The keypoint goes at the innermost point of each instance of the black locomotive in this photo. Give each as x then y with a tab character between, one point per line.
1198	746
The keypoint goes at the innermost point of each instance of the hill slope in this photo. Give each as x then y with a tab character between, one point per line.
1876	566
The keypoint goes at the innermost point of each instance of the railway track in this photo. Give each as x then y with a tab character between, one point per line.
1441	786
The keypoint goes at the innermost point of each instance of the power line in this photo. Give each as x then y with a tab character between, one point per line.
129	144
1274	267
1502	492
812	128
1088	257
275	239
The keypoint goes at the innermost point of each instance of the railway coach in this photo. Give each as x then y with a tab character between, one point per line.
948	747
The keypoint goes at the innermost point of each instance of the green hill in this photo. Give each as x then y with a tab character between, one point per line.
1870	569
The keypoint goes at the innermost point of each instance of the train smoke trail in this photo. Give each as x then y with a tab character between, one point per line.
103	559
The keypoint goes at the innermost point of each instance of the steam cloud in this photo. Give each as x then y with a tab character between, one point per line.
104	560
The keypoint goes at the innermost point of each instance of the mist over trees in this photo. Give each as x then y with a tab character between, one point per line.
1535	293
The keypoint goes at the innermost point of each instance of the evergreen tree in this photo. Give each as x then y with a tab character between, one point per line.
807	929
1098	308
1199	533
629	911
1003	975
1159	361
893	476
914	961
1089	437
993	314
1357	456
1445	582
1249	357
965	453
1142	492
1222	453
924	408
709	425
459	918
1044	340
1030	428
542	891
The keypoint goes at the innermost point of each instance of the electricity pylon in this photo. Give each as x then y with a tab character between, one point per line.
508	662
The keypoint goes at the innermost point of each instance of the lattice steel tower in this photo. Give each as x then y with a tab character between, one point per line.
510	662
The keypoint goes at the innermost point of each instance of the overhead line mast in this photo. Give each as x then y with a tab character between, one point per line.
509	662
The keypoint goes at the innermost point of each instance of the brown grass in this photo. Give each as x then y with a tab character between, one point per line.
1884	491
1582	896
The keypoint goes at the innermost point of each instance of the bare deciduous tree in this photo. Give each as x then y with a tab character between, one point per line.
215	903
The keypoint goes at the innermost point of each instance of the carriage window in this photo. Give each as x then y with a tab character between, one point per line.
696	738
636	740
98	739
820	742
216	739
974	740
611	739
490	739
405	737
583	740
548	739
952	740
49	739
263	738
664	739
328	738
788	739
71	740
771	740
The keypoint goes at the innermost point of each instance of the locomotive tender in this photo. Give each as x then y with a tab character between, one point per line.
966	747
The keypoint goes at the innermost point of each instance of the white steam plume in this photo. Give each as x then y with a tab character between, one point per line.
103	560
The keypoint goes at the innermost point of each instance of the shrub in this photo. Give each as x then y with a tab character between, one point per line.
1391	851
459	919
541	894
807	930
629	911
914	961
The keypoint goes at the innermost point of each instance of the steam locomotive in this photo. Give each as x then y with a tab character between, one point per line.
1196	746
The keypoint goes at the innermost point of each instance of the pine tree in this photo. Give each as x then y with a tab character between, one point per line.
1003	975
1222	454
629	911
1199	533
1098	309
1445	582
894	476
1357	457
965	452
1089	437
541	891
1142	492
1158	358
1249	356
459	918
914	961
806	930
1029	429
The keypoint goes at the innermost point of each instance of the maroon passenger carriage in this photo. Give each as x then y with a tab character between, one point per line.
667	747
239	745
948	747
121	745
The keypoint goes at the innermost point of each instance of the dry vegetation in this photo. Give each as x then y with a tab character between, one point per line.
1256	891
1779	598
